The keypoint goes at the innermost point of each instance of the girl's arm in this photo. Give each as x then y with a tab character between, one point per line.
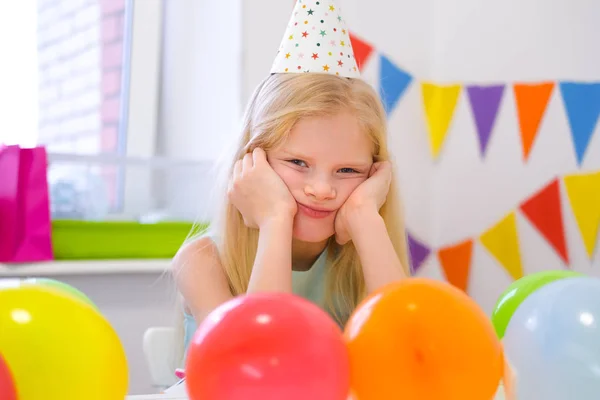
359	220
378	257
272	270
200	278
265	203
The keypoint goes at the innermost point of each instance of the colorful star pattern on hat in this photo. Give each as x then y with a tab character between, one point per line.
317	41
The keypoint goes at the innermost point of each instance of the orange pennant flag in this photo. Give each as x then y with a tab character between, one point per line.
532	100
502	241
456	263
544	211
584	195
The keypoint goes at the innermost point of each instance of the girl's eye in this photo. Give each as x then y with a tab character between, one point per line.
348	171
299	163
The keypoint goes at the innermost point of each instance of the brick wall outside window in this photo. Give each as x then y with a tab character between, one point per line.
80	63
80	58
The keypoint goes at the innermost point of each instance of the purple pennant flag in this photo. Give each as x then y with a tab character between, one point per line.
485	101
418	253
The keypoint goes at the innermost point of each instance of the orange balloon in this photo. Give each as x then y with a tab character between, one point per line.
421	339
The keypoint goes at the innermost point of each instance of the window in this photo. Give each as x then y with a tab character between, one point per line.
121	95
18	74
69	88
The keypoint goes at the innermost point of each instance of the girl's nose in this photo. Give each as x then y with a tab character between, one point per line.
320	190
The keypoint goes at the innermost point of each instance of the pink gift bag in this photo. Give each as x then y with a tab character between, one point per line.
25	228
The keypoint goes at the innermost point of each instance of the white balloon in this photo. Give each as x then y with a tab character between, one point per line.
553	341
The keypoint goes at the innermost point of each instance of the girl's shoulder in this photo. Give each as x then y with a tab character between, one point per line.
196	262
199	247
204	243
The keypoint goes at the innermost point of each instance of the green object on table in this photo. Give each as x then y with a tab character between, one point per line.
63	288
91	240
518	291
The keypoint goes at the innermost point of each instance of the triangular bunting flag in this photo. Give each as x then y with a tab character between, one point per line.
485	101
456	263
582	103
544	211
584	195
532	100
440	102
362	50
418	253
392	84
502	242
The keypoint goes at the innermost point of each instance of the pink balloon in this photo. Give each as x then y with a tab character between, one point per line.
8	391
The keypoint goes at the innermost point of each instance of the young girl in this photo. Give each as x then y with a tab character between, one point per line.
310	203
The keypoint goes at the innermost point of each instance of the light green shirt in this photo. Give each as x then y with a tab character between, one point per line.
308	284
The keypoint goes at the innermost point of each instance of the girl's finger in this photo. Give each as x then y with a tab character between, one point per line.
235	176
237	170
259	155
379	167
374	168
247	163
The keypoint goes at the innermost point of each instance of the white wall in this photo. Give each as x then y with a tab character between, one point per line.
509	41
19	78
201	91
460	195
263	26
201	87
515	40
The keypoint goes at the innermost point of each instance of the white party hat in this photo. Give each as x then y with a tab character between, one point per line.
316	40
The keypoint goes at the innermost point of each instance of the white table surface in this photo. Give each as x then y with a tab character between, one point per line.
499	396
156	397
84	267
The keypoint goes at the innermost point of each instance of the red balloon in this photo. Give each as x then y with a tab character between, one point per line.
268	346
7	385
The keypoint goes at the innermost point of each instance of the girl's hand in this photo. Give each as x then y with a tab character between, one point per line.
258	192
368	197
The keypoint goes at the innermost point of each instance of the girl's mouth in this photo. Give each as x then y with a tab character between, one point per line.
313	212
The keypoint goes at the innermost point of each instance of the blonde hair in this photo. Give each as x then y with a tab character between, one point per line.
277	104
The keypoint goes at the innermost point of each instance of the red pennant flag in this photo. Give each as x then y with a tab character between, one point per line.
532	100
362	50
544	211
456	263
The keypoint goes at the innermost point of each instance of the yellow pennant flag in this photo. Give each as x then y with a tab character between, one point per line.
502	241
584	195
440	102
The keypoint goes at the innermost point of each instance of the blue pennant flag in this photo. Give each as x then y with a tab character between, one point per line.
582	104
393	81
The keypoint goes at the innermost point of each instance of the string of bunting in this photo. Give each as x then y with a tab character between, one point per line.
543	209
581	101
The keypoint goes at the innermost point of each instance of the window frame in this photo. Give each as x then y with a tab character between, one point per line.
140	106
139	109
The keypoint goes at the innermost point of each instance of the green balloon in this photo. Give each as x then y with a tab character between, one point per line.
62	287
518	291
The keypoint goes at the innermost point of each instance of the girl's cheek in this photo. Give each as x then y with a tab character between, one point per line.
293	180
346	187
290	177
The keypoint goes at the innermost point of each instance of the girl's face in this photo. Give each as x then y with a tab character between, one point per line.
322	162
